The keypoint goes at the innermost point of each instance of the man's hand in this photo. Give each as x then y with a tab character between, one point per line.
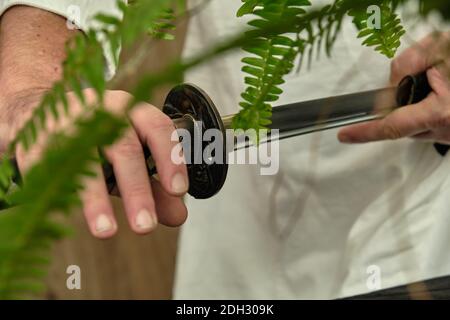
146	202
427	120
31	55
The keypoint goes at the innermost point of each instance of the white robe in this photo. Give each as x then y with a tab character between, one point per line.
338	220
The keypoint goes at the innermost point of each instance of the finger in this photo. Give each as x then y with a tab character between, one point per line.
97	207
425	136
156	130
407	121
438	81
403	122
419	57
127	159
27	158
439	135
170	209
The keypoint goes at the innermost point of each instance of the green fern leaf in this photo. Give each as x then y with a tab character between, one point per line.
273	58
34	230
384	38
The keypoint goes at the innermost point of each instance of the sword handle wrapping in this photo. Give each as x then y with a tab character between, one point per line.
413	89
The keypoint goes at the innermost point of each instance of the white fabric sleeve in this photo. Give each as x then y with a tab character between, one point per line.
80	14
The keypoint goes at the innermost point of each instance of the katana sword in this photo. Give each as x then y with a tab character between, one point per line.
191	109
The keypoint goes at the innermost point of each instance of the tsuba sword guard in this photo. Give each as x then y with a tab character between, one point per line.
205	179
191	104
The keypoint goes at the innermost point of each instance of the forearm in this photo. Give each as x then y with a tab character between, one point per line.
32	49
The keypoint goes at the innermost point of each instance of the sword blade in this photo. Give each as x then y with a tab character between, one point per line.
306	117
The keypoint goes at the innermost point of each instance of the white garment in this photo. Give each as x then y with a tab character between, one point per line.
333	213
79	12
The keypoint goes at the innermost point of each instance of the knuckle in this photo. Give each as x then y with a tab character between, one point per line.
120	96
128	149
395	65
91	197
439	112
117	100
395	69
89	94
138	190
21	160
390	131
444	119
34	154
161	120
129	146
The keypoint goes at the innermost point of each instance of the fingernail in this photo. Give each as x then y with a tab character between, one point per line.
103	224
145	221
179	183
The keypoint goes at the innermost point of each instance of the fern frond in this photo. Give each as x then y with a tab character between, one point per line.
272	58
24	253
53	184
6	175
161	28
386	38
24	249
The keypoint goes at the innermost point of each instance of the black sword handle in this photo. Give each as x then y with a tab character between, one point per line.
413	89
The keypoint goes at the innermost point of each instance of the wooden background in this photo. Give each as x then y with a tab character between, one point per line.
128	266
